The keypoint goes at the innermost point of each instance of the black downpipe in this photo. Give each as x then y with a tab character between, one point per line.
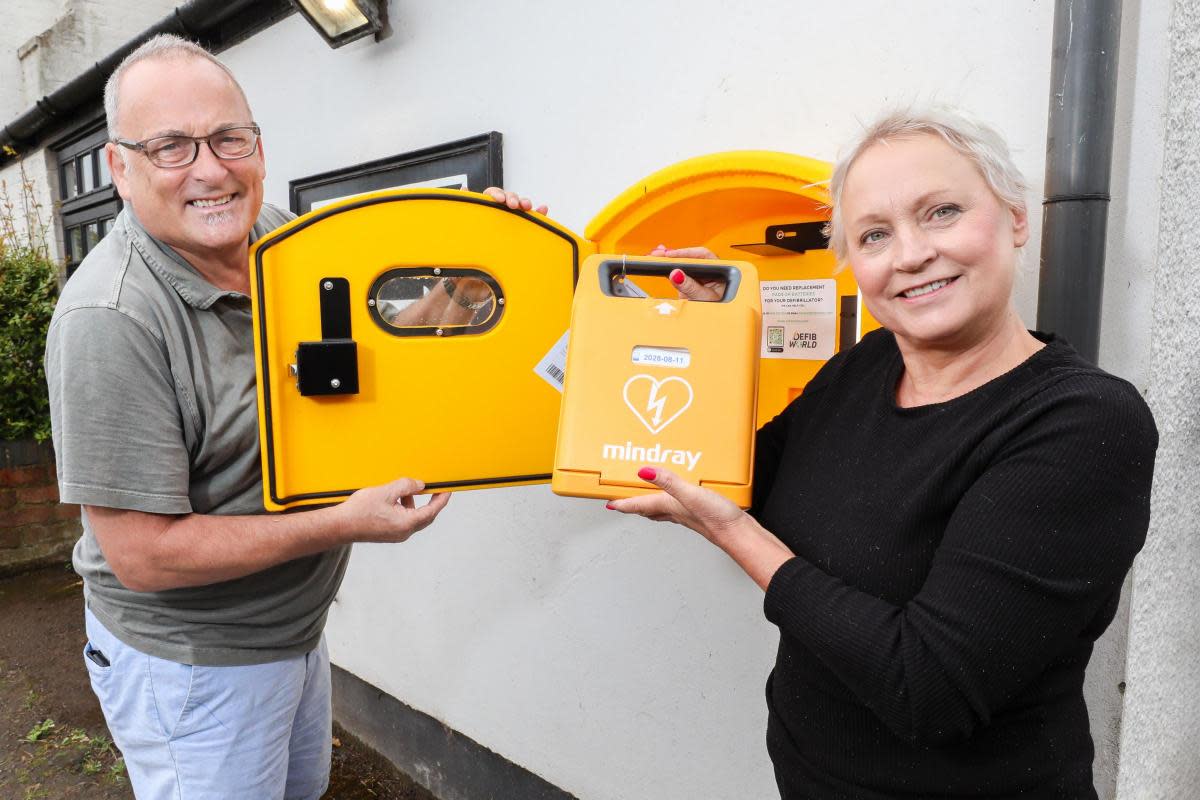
194	20
1079	142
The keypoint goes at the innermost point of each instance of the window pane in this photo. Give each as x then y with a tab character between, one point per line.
91	235
70	186
105	226
421	302
87	172
102	163
75	244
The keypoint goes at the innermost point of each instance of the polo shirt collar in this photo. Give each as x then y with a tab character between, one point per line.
187	281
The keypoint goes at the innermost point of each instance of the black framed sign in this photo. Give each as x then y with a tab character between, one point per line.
473	163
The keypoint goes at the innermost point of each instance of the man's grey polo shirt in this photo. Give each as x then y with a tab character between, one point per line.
152	399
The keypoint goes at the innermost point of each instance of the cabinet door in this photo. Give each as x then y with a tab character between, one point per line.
397	333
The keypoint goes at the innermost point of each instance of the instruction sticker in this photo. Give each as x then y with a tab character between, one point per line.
553	366
799	319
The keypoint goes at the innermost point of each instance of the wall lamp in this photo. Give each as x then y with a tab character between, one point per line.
342	21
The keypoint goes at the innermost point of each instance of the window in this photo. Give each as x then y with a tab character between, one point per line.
89	200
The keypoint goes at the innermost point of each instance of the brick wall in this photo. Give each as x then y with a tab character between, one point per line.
34	528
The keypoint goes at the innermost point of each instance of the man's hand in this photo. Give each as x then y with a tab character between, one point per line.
689	288
153	552
388	513
513	200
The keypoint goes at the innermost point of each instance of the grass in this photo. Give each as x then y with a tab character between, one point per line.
72	749
39	730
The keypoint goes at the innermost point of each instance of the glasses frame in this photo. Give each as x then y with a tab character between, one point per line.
195	140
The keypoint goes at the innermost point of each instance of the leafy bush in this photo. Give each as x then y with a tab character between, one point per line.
28	290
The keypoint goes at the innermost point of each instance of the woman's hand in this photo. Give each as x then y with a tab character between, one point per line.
689	288
716	518
513	200
703	510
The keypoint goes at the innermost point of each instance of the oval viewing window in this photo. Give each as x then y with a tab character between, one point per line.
436	301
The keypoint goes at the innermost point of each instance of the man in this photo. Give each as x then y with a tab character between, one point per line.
204	618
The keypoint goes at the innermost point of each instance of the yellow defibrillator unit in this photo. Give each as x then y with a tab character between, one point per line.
658	380
397	333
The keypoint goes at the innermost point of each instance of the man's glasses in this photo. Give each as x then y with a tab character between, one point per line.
229	144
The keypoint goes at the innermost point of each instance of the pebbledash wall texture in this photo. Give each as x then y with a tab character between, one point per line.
35	530
1160	734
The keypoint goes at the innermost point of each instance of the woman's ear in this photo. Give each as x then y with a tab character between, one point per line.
1020	226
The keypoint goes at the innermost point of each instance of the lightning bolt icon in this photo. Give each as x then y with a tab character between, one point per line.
655	403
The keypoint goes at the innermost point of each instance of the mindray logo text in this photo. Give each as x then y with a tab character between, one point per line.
651	455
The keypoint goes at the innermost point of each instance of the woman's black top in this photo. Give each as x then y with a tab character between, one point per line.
954	564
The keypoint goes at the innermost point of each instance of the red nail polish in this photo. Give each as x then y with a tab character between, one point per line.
610	506
647	473
677	277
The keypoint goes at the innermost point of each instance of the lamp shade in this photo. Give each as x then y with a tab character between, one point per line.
343	21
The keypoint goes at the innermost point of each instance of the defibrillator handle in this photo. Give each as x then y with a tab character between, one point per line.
705	270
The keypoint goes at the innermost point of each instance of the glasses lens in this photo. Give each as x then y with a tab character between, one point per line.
169	151
233	143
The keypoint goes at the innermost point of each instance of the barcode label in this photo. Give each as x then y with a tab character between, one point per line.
553	366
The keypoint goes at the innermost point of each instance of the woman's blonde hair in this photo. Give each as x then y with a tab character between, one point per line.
979	143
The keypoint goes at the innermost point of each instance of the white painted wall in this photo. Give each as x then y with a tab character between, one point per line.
23	19
46	43
616	658
25	186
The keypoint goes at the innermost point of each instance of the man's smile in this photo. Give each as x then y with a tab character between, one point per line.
211	202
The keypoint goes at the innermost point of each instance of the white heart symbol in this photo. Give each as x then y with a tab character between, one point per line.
655	405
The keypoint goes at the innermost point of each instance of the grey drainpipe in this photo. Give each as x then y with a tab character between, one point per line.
200	19
1079	141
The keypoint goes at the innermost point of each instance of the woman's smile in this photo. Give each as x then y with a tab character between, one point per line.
927	290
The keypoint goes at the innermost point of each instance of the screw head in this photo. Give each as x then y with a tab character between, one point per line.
371	302
328	285
335	383
437	270
500	301
439	331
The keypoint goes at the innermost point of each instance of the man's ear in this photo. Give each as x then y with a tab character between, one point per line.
117	168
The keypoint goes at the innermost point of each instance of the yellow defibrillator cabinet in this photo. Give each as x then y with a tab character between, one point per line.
767	208
397	334
659	380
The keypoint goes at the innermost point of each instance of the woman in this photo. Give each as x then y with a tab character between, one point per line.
943	520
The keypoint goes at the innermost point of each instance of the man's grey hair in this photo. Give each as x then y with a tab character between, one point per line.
162	46
980	144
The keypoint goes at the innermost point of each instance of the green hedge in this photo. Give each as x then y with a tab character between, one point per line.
28	290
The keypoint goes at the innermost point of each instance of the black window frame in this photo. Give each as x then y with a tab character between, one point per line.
83	212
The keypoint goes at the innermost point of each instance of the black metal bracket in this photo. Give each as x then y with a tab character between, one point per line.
330	366
789	238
